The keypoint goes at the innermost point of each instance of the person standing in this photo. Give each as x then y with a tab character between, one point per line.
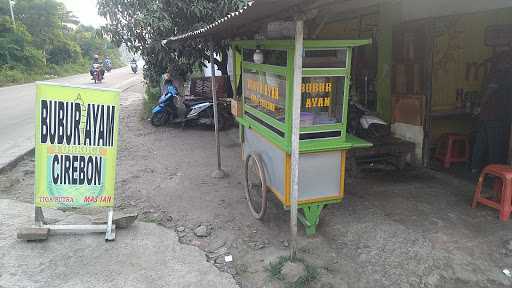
493	131
170	90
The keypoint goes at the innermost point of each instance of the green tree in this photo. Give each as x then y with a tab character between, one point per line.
63	51
89	41
47	40
15	46
41	19
142	25
50	24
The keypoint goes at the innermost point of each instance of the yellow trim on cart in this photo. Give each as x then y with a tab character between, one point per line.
277	194
320	199
342	173
317	200
287	178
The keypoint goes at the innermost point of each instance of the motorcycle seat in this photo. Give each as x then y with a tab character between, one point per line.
192	102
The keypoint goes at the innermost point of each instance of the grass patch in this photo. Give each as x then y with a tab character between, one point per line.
152	94
10	75
310	275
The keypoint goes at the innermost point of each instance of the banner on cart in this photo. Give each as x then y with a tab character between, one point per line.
76	146
265	92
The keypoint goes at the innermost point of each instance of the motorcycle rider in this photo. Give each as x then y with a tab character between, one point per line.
133	63
107	62
96	61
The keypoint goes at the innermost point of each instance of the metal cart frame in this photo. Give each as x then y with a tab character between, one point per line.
266	136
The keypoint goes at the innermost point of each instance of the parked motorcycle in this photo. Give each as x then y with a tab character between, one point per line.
197	112
365	124
134	67
97	73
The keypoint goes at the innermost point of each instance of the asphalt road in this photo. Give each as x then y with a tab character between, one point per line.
17	109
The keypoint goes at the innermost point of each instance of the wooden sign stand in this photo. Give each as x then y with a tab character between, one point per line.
109	228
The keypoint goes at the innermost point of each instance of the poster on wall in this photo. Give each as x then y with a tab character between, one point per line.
75	146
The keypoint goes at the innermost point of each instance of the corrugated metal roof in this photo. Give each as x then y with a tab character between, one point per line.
216	23
259	12
252	13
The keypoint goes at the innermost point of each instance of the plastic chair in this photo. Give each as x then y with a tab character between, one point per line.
452	148
502	188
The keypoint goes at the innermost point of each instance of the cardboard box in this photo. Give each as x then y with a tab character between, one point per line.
236	108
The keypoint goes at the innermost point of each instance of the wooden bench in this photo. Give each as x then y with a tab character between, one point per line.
386	149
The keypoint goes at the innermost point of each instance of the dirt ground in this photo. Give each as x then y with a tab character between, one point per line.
394	229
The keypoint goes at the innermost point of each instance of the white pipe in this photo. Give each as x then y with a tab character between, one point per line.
297	81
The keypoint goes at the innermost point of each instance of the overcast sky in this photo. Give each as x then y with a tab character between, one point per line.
85	10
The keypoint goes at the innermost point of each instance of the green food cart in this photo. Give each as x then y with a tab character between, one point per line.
264	69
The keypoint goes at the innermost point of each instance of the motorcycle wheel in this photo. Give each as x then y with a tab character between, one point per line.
222	121
159	119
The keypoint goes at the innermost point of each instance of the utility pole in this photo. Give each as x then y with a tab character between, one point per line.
297	81
218	173
12	13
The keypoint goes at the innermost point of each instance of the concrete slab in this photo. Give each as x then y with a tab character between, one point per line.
144	255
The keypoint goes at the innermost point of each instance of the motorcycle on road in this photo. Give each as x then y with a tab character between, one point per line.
108	65
97	73
133	66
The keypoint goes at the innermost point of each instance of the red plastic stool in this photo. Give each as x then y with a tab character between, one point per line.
452	148
502	187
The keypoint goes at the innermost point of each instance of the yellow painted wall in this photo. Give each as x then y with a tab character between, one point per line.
459	55
459	44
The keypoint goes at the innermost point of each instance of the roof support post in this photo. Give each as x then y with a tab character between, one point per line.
297	81
218	173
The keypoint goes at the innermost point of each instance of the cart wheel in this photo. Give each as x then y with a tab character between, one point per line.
255	186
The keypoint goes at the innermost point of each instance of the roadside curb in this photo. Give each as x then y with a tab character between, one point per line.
11	164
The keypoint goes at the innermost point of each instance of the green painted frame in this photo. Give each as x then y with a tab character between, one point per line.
282	71
313	145
264	117
310	72
288	44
